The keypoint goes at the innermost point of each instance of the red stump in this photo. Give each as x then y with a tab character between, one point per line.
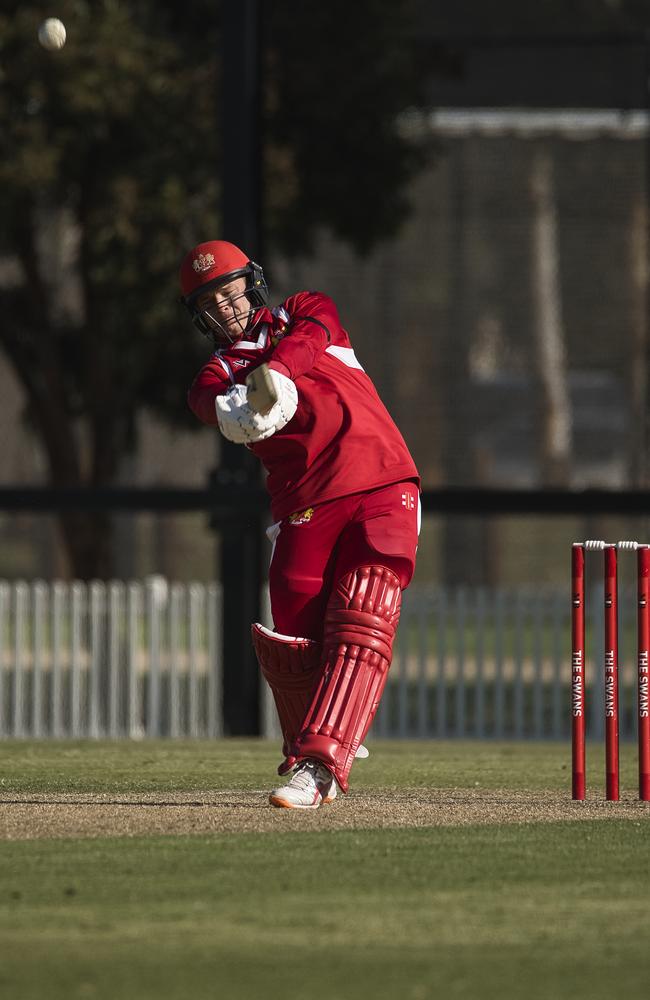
578	774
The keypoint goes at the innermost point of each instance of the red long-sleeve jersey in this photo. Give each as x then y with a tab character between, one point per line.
341	440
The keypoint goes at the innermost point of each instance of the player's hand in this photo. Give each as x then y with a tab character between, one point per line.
239	422
287	399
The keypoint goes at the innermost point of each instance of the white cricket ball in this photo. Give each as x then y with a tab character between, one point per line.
51	34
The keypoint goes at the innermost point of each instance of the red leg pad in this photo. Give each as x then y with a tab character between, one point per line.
360	625
291	667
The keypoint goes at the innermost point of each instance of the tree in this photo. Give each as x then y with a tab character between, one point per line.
335	155
109	166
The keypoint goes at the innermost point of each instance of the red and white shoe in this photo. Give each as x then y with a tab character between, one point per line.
311	785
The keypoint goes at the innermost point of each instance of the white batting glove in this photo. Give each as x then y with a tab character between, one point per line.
287	403
238	421
241	424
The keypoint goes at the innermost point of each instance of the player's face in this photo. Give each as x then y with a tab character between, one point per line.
226	309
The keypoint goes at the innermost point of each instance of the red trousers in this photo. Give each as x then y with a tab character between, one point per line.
314	548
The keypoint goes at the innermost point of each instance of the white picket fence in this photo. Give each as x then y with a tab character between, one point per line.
142	659
109	659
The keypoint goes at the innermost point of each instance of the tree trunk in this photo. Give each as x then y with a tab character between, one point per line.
87	539
550	354
465	552
86	535
638	368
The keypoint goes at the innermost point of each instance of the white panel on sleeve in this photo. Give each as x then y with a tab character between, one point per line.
281	313
346	355
226	367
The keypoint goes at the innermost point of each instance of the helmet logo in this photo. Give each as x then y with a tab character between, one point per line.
203	262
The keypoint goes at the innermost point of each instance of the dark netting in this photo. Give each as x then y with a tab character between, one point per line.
506	325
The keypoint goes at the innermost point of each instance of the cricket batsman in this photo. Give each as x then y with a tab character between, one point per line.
344	496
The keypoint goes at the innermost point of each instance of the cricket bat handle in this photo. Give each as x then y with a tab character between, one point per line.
261	390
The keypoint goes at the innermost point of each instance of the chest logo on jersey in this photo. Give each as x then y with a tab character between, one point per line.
301	517
240	362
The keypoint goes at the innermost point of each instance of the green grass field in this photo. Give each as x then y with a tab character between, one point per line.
493	910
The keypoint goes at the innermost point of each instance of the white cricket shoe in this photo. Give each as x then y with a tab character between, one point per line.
311	785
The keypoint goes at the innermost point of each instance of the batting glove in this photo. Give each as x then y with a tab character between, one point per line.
287	403
238	421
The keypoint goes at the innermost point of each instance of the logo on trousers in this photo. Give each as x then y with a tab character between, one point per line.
408	501
301	517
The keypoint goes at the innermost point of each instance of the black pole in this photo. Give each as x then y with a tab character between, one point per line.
240	549
642	479
241	115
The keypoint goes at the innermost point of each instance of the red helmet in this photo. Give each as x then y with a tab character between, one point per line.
211	264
